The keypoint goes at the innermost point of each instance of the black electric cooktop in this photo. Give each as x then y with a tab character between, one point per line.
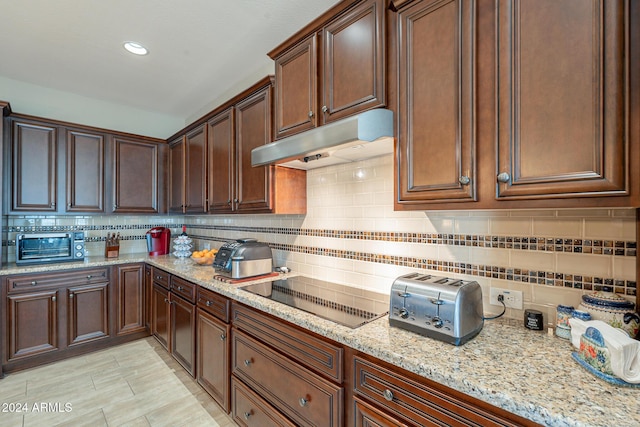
346	305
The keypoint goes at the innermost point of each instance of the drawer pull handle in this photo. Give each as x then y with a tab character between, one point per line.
388	394
504	177
71	295
247	362
166	300
303	402
53	299
247	415
180	288
223	337
208	303
89	277
34	282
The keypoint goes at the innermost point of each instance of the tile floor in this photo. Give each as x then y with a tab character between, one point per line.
137	384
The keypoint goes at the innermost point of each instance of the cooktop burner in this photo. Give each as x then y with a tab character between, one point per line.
346	305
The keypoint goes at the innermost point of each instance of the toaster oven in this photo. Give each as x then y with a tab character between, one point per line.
37	248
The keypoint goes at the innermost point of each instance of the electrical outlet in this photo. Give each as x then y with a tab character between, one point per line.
512	299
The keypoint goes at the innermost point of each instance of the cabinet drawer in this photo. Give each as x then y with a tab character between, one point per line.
213	303
368	416
186	290
316	354
249	409
161	277
52	280
304	397
416	403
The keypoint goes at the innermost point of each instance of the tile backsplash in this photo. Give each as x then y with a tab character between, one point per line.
352	235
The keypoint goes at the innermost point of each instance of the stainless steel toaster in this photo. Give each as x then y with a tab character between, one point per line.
243	258
446	309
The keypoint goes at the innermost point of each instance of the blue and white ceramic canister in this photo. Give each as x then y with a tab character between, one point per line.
564	313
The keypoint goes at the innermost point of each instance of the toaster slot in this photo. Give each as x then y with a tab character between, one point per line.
410	275
447	281
423	278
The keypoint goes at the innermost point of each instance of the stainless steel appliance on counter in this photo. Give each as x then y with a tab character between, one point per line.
346	305
37	248
243	258
446	309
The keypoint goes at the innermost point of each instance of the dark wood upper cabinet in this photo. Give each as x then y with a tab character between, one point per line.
221	158
562	104
353	65
85	171
296	96
135	176
188	172
345	75
515	104
436	108
176	175
234	185
34	166
253	129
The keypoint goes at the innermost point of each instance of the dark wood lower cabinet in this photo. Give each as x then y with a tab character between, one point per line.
32	324
55	315
88	313
160	313
183	327
212	357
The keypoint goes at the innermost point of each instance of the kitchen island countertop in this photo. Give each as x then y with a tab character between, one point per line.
528	373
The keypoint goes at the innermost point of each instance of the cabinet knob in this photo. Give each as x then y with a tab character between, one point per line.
53	204
115	207
504	177
71	295
89	277
229	201
166	300
464	180
387	394
53	299
247	362
235	200
310	114
303	401
180	288
223	337
34	282
324	109
246	415
208	303
68	205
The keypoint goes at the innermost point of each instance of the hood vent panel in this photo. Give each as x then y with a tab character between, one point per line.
366	135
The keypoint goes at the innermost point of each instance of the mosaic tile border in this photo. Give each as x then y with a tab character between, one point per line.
545	278
527	243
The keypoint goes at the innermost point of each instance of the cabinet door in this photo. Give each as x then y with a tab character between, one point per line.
176	175
195	173
212	357
130	299
296	89
437	102
88	313
253	129
135	187
148	285
34	172
353	66
183	332
160	314
32	324
221	158
562	99
85	172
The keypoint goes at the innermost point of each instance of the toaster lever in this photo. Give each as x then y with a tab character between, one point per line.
436	301
404	294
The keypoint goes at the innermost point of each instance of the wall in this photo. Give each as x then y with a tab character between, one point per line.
39	101
352	235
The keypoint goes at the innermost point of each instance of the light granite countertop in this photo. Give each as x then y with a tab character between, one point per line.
525	372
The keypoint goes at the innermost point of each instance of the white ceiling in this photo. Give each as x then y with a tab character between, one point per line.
198	49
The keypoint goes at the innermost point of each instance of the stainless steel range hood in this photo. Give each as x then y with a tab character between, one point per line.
369	134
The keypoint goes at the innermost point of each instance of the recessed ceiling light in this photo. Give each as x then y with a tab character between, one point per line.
135	48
